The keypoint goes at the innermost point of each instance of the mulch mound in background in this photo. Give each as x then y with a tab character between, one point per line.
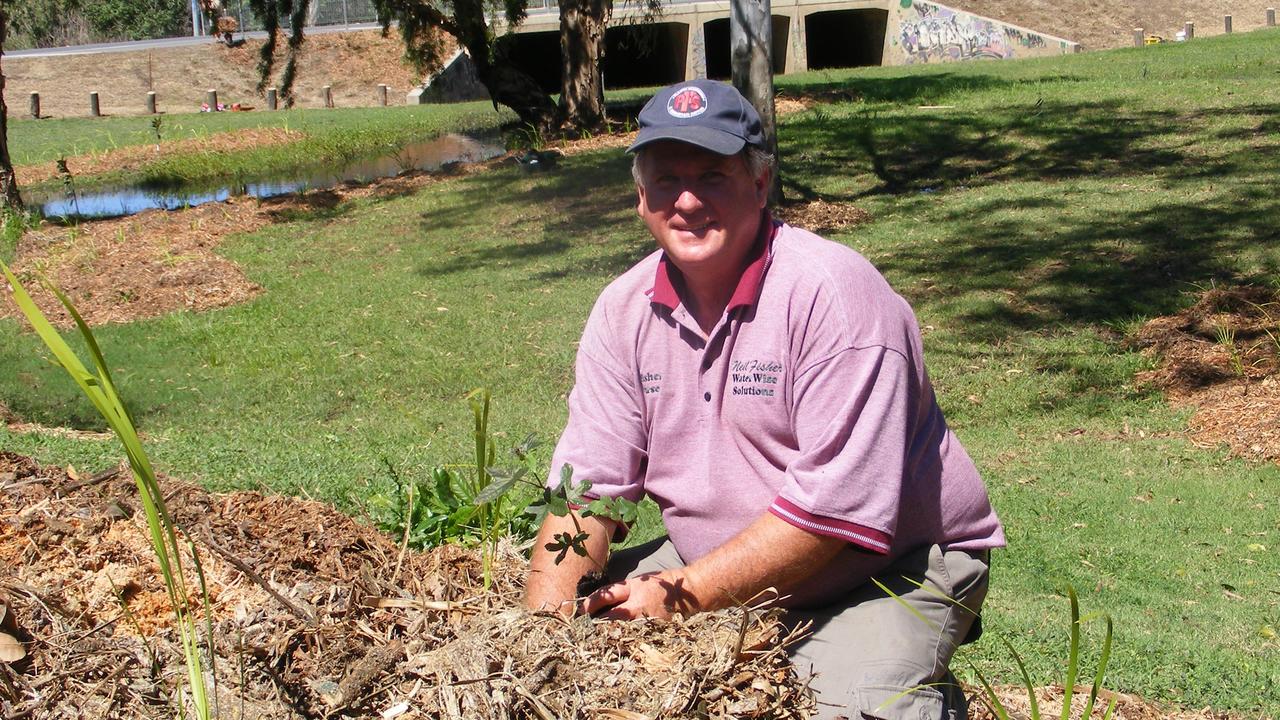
315	615
1222	357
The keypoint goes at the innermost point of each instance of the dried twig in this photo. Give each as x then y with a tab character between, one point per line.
249	572
101	477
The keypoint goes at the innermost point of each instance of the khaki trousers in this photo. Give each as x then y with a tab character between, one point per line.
866	652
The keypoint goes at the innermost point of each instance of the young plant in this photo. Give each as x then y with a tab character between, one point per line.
989	696
1226	337
567	497
101	391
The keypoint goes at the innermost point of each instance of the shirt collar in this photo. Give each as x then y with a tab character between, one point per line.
664	290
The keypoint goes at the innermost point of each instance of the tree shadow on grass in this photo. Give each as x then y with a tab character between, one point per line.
1070	264
584	201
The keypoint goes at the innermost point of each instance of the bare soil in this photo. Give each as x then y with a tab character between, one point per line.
352	63
1221	356
1104	24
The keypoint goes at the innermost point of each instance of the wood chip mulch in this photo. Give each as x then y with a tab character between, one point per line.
317	616
1222	357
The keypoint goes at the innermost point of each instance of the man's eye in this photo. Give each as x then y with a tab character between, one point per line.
713	177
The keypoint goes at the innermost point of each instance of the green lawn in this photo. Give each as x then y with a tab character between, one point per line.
1032	212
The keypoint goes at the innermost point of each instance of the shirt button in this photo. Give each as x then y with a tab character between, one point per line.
706	396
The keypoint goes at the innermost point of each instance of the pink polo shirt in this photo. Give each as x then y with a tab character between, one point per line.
808	400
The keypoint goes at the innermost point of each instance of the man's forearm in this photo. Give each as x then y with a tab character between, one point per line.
768	553
552	584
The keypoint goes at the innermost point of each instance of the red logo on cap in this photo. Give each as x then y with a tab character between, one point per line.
687	102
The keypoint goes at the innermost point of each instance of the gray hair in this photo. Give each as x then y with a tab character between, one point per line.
757	159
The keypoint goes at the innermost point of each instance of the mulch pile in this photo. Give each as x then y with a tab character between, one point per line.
1222	357
315	615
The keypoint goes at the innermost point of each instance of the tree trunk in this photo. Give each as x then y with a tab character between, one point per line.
8	183
507	84
582	28
751	43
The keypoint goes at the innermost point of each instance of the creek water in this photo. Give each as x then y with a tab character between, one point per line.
106	202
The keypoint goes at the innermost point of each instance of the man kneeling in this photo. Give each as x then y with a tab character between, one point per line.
767	388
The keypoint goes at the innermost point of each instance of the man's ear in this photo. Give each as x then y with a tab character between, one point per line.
762	187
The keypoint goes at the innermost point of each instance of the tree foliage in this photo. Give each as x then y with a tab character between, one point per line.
53	23
420	23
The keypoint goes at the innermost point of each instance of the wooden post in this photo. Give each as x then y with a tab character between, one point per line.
382	95
1189	30
1271	17
35	106
328	96
1226	23
1139	37
95	110
151	103
271	99
211	99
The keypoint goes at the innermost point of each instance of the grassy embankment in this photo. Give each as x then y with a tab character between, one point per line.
326	138
1032	212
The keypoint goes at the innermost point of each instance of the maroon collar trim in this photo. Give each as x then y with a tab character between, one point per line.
664	287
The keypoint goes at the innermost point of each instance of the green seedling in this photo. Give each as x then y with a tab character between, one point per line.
1226	337
101	391
989	696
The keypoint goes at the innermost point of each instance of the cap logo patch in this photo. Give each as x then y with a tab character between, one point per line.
687	102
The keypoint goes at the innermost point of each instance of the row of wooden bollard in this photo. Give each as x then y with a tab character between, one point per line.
211	100
1189	28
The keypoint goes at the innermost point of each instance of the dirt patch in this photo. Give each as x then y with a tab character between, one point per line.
352	63
132	157
158	262
1103	24
820	216
1222	357
315	615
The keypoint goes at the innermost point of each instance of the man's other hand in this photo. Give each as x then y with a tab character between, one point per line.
655	595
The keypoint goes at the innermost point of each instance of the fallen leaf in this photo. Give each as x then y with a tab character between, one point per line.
11	650
1256	547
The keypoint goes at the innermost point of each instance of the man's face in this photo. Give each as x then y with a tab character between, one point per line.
702	208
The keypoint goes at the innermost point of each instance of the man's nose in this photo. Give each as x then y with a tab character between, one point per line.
687	200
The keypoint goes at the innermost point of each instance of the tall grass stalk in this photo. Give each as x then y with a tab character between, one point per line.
101	391
485	454
990	697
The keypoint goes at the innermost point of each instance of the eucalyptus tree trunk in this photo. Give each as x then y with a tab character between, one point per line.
751	43
8	183
582	28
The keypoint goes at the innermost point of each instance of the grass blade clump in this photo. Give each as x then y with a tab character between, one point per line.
101	391
989	695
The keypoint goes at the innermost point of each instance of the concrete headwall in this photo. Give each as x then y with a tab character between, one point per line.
926	32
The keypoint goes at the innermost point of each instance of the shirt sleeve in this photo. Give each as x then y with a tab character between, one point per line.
852	415
605	439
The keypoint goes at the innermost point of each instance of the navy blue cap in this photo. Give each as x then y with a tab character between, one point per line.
706	113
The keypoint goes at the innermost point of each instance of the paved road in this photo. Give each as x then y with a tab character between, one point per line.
136	45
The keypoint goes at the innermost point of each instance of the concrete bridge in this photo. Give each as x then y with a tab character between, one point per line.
691	39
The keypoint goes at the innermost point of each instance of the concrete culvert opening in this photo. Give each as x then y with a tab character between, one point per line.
648	54
536	53
719	51
845	38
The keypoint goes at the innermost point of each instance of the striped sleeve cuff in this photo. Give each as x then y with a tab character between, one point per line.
874	540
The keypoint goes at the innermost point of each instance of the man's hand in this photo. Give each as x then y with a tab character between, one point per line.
656	595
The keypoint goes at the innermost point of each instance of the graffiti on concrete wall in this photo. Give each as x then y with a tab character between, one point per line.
932	33
698	47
